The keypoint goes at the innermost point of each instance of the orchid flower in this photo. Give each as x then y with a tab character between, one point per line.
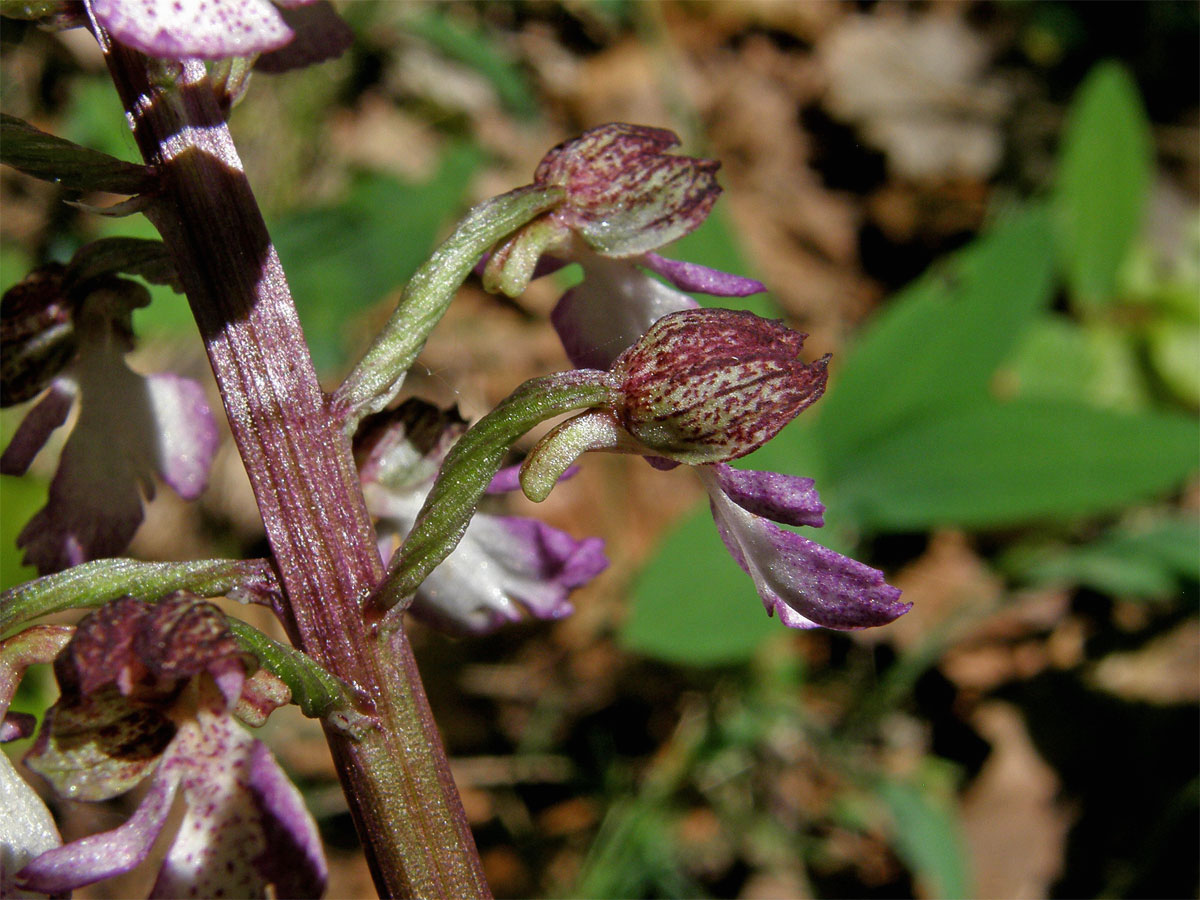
153	691
504	565
700	387
625	197
66	339
705	386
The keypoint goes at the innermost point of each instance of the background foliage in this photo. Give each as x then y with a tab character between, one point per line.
1010	431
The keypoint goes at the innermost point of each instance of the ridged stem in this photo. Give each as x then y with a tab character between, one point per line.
396	777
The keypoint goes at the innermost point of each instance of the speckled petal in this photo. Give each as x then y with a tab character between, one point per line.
806	584
37	426
789	499
700	279
710	385
186	432
246	827
610	309
207	29
109	853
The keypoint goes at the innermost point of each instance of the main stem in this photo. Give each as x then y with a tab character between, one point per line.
396	777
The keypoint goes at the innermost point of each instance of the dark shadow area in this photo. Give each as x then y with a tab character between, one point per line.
1130	771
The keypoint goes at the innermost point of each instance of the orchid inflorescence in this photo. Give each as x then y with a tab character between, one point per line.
155	679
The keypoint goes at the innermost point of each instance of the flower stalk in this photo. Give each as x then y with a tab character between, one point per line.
396	776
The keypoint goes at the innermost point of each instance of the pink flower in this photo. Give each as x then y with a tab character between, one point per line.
503	568
702	387
626	197
151	691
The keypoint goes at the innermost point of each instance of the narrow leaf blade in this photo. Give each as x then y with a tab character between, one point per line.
937	345
1006	464
1105	168
51	158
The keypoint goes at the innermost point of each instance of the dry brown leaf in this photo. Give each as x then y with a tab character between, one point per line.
1014	825
916	87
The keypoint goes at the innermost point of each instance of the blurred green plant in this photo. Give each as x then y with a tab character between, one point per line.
941	413
969	402
343	258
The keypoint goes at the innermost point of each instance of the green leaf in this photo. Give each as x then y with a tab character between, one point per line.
1129	562
95	583
634	855
1004	464
23	497
936	346
1060	360
1105	168
692	604
927	836
342	259
95	118
1174	351
51	158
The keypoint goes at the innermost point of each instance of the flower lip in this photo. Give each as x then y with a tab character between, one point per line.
710	385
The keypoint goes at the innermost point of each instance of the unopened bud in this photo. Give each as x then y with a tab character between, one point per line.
625	193
709	385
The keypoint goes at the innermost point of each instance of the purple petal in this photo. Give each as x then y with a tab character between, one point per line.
186	432
95	498
700	279
35	429
246	827
15	726
789	499
610	309
504	566
110	852
182	29
806	584
321	34
508	479
93	508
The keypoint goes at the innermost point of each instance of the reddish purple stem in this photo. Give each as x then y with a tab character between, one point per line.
396	778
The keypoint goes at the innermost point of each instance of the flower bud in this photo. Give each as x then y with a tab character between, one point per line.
705	386
625	194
